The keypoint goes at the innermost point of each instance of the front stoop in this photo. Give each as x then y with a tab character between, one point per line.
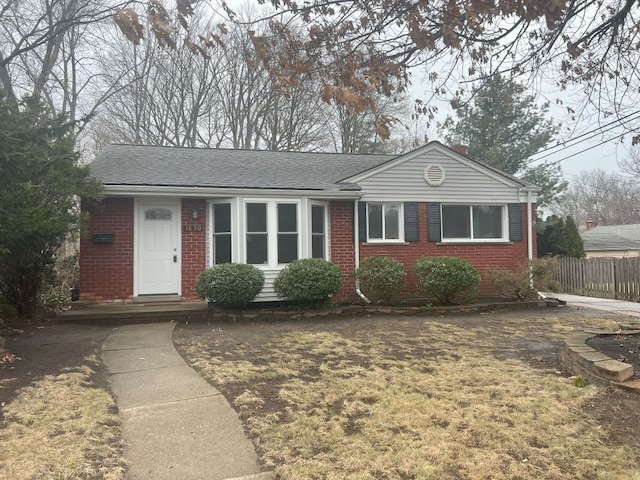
599	369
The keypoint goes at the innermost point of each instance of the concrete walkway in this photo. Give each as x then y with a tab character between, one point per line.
603	304
175	425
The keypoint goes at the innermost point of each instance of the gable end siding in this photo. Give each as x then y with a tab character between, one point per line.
405	182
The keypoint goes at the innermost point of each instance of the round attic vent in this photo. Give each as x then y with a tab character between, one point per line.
434	175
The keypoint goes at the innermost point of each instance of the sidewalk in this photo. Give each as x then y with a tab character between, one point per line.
603	304
175	425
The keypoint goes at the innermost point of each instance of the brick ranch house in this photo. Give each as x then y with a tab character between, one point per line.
170	212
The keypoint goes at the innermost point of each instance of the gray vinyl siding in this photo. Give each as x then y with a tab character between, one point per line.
463	183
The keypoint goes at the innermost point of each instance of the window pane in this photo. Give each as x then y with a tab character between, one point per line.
287	247
256	217
221	249
157	214
222	217
287	221
256	248
487	221
375	221
317	246
456	222
317	219
391	222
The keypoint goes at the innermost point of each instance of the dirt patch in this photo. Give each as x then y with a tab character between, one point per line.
462	396
624	348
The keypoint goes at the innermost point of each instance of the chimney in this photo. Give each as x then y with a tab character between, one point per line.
589	224
459	148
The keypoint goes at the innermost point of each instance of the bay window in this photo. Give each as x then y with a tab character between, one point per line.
318	231
257	235
272	233
221	225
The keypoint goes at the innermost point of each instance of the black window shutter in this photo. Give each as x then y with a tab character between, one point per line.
515	222
362	221
433	222
411	223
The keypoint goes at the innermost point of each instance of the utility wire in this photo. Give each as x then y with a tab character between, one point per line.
585	150
599	130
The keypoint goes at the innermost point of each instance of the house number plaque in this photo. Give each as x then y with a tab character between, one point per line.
193	228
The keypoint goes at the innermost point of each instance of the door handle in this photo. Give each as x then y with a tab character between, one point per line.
175	259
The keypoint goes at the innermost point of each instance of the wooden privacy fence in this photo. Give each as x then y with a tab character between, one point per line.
617	278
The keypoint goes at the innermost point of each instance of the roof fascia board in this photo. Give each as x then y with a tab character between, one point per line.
154	191
445	151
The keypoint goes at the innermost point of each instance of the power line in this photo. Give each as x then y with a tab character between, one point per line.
598	131
585	150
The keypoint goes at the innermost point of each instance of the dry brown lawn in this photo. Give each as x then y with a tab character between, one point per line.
460	397
57	417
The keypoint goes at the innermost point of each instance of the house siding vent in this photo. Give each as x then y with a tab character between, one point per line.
434	175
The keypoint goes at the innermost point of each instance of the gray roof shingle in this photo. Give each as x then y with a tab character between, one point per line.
205	167
612	237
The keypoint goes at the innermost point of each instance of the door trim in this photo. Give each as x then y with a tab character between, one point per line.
144	202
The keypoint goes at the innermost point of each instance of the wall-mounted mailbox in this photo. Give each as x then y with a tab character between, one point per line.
102	238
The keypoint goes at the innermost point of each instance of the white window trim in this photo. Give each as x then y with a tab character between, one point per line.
505	224
272	230
400	238
309	227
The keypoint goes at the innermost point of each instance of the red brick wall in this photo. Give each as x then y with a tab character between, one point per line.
194	245
106	270
342	254
483	256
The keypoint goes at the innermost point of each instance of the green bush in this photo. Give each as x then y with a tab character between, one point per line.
516	284
308	281
448	279
380	278
230	284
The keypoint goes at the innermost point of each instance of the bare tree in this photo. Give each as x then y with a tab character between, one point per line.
215	99
631	164
605	198
33	38
359	49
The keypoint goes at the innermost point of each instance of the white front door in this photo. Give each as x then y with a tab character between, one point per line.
158	249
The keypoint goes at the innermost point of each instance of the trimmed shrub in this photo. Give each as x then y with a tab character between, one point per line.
381	278
516	284
308	281
230	284
449	279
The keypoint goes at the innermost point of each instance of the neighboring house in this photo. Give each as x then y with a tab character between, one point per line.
171	212
612	241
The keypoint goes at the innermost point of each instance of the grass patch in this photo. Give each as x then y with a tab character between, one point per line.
61	427
411	398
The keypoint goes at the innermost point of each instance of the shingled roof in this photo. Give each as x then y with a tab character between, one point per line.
612	237
224	168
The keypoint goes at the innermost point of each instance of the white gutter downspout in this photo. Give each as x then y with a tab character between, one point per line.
530	238
356	248
529	227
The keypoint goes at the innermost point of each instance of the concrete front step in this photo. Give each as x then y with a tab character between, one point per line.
136	313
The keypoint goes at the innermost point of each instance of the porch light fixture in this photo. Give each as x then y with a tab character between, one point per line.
194	213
